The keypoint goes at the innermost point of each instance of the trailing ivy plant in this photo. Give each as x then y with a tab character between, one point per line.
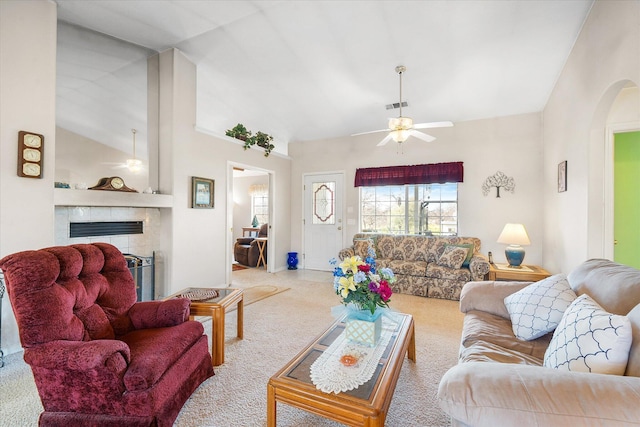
260	139
239	132
264	140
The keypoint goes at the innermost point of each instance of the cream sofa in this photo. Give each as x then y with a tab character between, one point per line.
414	261
501	381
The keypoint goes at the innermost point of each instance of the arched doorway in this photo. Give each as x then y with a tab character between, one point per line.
617	111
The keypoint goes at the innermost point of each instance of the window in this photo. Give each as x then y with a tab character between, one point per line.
260	207
430	209
324	202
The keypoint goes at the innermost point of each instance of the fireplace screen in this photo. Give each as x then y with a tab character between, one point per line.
143	272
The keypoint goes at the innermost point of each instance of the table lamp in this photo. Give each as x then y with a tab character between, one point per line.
514	235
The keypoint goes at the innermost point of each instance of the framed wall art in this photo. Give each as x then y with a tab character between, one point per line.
562	177
202	193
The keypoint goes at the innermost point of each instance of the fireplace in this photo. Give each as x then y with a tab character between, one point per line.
134	231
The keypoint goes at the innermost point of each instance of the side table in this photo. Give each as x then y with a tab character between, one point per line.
262	246
216	308
529	273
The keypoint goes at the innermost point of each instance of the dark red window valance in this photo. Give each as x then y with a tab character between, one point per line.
434	173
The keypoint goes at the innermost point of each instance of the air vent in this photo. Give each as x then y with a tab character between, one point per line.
396	105
90	229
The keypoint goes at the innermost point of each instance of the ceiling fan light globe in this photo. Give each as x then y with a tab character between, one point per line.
400	135
134	165
399	123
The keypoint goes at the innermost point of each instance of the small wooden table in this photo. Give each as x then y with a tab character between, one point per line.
216	307
530	273
262	244
366	405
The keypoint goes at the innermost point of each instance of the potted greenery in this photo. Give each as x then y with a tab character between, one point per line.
264	140
239	132
260	139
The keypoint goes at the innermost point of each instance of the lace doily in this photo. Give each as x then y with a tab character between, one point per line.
331	376
199	294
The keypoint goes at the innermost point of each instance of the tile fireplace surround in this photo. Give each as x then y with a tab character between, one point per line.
138	244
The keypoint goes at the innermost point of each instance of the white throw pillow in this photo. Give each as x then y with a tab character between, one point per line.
537	309
588	339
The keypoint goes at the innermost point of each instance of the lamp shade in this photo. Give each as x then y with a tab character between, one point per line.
514	234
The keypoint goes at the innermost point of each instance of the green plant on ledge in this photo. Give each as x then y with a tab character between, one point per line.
260	139
264	140
239	132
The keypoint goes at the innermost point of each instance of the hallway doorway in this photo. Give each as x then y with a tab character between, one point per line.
249	212
626	205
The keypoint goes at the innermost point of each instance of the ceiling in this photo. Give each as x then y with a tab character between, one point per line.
309	70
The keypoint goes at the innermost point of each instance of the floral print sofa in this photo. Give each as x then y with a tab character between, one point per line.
424	265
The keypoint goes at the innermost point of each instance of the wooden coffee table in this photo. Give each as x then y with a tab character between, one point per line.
216	307
365	406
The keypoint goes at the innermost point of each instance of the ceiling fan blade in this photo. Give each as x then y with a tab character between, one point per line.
384	141
422	136
372	131
433	125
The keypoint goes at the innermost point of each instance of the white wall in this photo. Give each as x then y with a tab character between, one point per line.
72	167
626	107
509	144
28	88
605	59
201	238
194	242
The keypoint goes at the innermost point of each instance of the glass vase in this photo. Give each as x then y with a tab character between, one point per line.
292	260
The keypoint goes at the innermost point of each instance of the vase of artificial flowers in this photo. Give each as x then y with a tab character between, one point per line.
364	290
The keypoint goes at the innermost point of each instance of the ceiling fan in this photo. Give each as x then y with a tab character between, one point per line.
400	128
133	164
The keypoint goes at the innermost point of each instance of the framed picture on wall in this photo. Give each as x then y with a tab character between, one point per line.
202	192
562	176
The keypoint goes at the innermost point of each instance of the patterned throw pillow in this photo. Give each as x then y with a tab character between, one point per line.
452	257
537	309
588	339
470	249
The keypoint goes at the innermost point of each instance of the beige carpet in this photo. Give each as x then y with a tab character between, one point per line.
276	329
256	293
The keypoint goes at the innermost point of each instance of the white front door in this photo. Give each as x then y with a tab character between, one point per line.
323	228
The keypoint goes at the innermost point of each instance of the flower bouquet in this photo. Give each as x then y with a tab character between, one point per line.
360	285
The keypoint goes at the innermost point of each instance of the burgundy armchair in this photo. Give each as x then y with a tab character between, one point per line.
99	358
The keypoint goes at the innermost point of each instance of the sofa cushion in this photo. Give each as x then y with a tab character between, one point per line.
633	364
589	339
452	257
438	244
410	268
436	271
537	309
469	247
482	327
615	287
483	351
361	247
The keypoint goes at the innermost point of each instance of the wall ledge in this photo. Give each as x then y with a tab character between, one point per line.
70	197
